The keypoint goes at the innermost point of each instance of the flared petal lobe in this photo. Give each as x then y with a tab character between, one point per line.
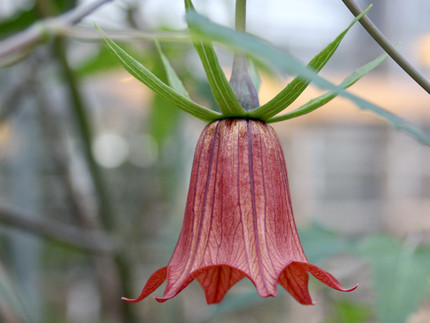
238	219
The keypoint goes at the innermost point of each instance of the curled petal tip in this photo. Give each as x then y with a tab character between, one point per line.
352	288
153	283
129	300
162	299
343	289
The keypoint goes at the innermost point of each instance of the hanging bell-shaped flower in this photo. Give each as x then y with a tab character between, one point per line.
239	220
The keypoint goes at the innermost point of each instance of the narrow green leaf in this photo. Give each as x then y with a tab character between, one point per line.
163	120
221	89
296	87
327	97
172	77
164	117
400	274
286	63
141	73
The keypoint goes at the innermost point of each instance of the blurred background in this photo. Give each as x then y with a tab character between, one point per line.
94	168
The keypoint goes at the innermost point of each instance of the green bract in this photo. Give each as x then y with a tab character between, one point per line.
292	91
141	73
325	98
203	32
221	89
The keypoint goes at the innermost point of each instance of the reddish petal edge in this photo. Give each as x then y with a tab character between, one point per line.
216	281
152	284
193	275
294	278
326	278
168	295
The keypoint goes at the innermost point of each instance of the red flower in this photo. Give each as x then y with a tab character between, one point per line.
238	220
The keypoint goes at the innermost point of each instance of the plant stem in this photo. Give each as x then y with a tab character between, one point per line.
385	44
240	80
240	15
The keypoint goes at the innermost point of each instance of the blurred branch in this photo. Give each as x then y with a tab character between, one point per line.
91	34
385	44
21	43
91	241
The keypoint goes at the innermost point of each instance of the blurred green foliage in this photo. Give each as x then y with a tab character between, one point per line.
30	13
400	275
101	61
347	312
18	22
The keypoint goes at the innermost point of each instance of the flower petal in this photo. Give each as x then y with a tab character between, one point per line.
325	277
172	292
153	283
295	280
217	280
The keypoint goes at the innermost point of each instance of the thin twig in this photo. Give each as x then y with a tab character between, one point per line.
88	33
385	44
24	41
91	241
